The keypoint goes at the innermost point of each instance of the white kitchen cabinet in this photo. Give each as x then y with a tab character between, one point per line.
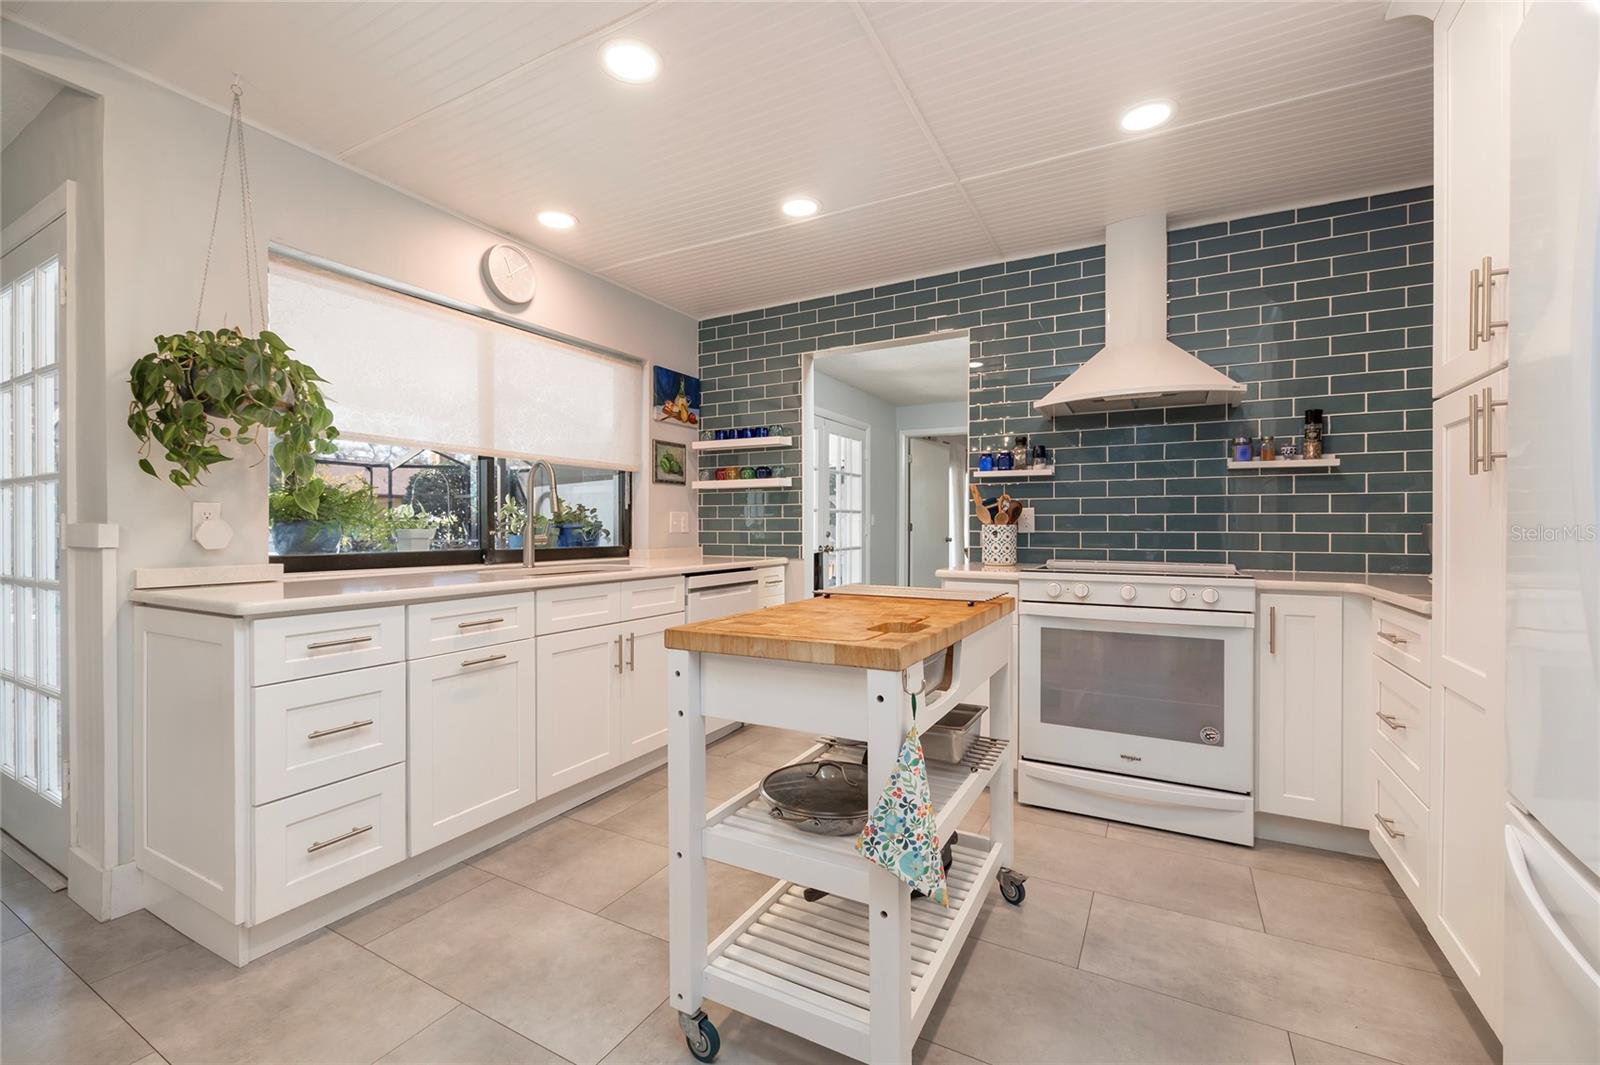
642	695
473	740
307	733
1467	671
1300	706
1471	188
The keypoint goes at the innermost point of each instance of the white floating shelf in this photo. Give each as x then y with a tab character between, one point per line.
1326	462
746	443
1012	475
743	482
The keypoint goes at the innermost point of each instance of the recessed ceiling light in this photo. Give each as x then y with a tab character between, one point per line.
630	61
974	365
1146	116
556	220
800	207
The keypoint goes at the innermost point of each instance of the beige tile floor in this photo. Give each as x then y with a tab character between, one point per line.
1132	946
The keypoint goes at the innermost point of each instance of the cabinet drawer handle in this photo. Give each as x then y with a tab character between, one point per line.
352	834
349	641
321	732
1474	458
1474	330
1490	323
630	652
1398	641
1392	721
1489	406
619	654
479	624
1387	824
481	661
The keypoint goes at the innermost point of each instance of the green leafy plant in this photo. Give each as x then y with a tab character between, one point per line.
199	390
411	516
586	518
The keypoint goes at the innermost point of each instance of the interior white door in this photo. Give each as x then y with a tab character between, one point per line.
33	724
928	489
1468	674
841	494
579	679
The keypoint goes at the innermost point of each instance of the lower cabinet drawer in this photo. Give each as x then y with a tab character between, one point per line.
312	732
1400	724
312	843
1400	831
1401	638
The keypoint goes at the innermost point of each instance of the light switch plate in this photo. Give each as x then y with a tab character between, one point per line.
1025	520
678	521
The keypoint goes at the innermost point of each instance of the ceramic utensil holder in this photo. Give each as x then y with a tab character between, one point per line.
999	544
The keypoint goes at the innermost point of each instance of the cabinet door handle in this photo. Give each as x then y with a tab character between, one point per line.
619	654
485	660
479	624
1490	323
1272	630
630	652
321	732
1387	824
1488	406
1398	641
349	641
1474	458
1473	329
1392	721
352	834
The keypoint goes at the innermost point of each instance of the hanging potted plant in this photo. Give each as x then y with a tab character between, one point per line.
202	393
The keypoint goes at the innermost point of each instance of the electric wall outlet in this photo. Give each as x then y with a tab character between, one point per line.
1025	520
208	528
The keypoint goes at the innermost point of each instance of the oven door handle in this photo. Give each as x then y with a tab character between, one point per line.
1200	619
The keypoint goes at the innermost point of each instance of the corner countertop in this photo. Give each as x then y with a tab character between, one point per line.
309	593
1409	591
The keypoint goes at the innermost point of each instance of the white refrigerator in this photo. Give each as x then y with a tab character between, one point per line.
1552	834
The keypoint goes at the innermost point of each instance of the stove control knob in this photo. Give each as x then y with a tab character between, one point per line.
1178	594
1080	590
1128	592
1209	596
1053	590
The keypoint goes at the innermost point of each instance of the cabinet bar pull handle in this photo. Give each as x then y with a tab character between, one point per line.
1392	721
349	641
1490	323
630	652
1272	630
1489	405
1474	459
352	834
1387	824
1473	328
321	732
481	661
1398	641
479	624
619	654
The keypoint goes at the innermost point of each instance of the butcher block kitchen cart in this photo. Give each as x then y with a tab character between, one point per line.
858	969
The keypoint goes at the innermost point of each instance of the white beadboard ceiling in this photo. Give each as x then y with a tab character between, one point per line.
934	135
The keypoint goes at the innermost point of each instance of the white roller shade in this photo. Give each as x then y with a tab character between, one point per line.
403	370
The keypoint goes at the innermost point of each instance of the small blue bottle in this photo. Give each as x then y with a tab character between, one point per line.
985	462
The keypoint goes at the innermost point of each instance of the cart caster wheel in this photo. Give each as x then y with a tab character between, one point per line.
1011	886
702	1039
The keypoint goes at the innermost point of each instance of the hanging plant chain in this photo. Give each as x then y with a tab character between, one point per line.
255	295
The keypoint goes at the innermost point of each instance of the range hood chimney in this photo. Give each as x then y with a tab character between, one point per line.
1139	367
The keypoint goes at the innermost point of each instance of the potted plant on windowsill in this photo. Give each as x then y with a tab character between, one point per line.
346	513
512	521
414	528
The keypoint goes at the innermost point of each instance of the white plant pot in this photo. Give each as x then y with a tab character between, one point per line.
999	543
413	539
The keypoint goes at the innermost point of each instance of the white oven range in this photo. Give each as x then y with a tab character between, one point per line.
1137	694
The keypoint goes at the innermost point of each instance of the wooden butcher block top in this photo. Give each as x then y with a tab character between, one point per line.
863	626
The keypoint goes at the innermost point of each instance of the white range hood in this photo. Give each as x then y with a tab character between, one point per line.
1139	367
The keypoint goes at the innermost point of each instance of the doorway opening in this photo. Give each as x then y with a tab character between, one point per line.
886	434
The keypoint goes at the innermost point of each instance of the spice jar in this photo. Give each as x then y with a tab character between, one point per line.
1269	449
1019	453
1242	452
1312	447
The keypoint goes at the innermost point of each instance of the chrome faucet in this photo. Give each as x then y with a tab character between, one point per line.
555	507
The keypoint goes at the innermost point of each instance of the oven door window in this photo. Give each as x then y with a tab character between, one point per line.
1133	684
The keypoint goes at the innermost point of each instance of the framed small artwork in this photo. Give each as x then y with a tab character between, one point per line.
676	397
671	464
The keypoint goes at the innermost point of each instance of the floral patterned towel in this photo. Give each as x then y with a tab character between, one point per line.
900	833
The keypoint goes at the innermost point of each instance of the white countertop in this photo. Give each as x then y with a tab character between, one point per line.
1409	591
308	593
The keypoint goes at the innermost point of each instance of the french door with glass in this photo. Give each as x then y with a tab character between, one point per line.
33	738
841	493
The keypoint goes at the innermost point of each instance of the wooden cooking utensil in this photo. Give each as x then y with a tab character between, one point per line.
1014	514
984	517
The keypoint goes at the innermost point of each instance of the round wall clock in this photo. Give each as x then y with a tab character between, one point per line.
509	274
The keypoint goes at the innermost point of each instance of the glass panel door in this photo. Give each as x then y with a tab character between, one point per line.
32	722
841	501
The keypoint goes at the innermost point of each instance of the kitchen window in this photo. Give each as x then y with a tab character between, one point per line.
442	412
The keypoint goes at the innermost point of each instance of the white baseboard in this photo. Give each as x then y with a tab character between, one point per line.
105	894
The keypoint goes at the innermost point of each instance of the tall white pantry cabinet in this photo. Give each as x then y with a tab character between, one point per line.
1458	886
